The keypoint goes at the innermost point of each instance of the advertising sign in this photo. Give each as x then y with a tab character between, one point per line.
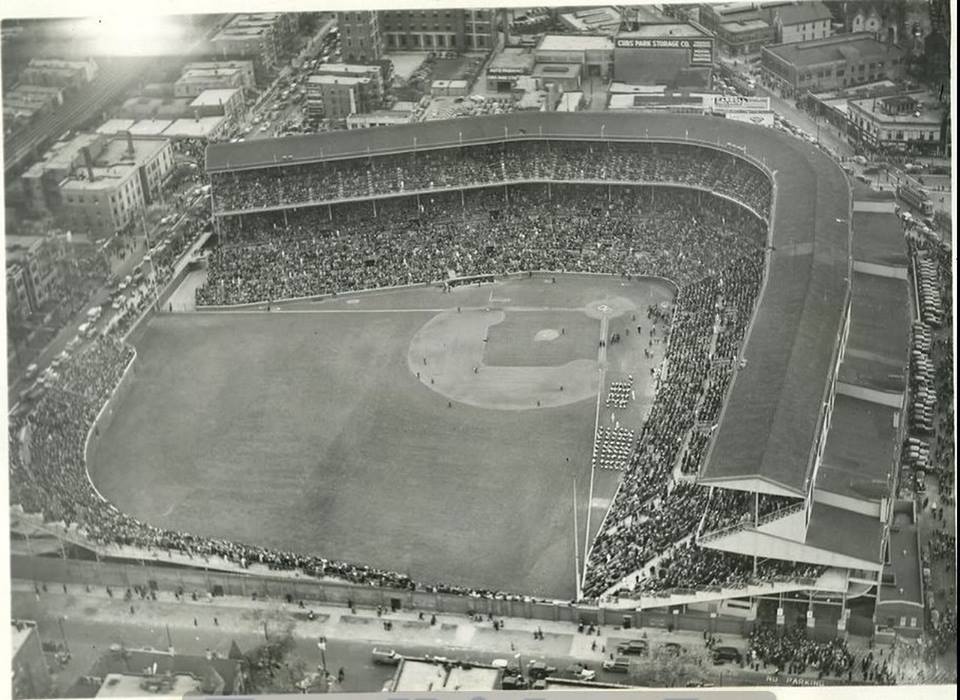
701	50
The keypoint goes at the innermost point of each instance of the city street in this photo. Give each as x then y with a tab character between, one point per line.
89	622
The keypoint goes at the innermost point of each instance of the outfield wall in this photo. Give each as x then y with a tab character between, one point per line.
105	418
400	287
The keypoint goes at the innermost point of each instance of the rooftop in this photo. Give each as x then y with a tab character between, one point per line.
117	150
105	179
574	42
349	68
925	111
746	25
857	47
337	80
420	675
803	12
150	127
20	630
128	685
63	153
194	128
557	70
214	97
519	60
663	30
859	455
115	126
196	75
211	672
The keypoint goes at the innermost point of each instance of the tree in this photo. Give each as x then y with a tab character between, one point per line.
273	668
665	669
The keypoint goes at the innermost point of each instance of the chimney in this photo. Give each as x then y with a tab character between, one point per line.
88	161
131	151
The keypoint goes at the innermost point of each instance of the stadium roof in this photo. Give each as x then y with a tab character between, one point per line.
876	352
845	532
771	419
859	455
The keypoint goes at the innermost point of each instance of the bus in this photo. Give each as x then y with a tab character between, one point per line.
913	194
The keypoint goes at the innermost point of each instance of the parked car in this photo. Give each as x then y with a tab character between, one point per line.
385	657
724	654
538	669
621	664
635	647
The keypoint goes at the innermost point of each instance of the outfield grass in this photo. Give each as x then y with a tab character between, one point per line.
310	431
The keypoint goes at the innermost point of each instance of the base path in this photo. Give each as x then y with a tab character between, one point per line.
449	349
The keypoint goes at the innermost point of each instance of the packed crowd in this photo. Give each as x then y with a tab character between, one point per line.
729	508
711	247
792	652
652	511
670	232
689	567
471	166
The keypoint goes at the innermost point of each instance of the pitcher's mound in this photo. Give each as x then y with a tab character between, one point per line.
546	334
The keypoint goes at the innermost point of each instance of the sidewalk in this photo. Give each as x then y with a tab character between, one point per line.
241	615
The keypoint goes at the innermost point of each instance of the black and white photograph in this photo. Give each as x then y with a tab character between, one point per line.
422	347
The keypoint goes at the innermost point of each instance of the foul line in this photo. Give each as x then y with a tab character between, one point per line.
601	358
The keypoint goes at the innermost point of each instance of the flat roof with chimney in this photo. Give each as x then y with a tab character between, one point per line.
925	110
429	675
353	68
117	150
860	46
214	97
104	178
150	127
128	685
662	31
337	80
194	128
574	42
115	126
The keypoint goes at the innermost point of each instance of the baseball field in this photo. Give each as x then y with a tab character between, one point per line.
447	435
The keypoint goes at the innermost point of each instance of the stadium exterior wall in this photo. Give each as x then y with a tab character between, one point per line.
168	578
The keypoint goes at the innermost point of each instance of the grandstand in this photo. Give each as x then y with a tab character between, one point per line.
761	392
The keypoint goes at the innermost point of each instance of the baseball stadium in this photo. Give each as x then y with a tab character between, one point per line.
613	359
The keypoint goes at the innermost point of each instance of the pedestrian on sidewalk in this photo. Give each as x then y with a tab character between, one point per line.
131	610
195	622
216	622
64	588
341	675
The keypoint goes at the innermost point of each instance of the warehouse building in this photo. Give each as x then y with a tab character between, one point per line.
830	64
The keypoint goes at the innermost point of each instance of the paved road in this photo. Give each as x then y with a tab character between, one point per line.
91	621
